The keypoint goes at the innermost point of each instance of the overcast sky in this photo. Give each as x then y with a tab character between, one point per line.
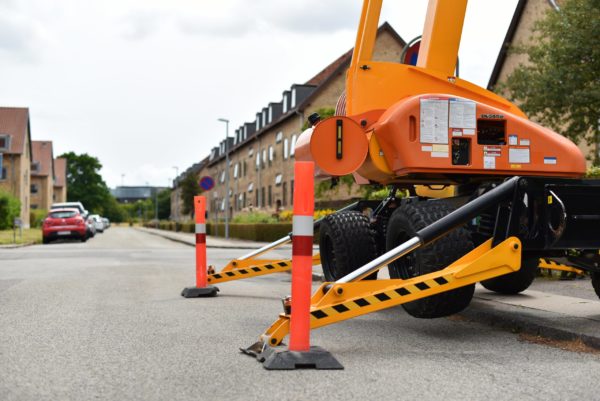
140	84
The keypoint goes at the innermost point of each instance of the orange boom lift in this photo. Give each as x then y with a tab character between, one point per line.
519	189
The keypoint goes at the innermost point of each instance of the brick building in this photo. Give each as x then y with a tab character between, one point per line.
520	31
261	152
15	156
42	175
60	180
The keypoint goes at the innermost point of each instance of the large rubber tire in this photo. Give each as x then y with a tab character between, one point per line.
596	282
514	283
346	242
403	225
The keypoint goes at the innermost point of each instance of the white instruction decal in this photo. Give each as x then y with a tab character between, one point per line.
439	154
469	131
489	162
462	113
549	160
434	121
524	142
427	148
518	155
513	140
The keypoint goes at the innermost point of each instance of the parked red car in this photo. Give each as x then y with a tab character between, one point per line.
64	223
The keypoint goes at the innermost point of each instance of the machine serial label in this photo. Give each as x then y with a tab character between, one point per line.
494	116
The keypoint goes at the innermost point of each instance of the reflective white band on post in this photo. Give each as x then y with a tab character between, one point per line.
200	228
302	226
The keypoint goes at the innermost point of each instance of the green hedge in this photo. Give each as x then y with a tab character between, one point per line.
10	207
36	217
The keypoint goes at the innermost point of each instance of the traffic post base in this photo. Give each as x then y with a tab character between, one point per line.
202	292
281	358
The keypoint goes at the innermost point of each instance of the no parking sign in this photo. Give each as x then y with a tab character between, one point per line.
207	183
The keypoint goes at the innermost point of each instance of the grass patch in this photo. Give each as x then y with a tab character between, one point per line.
29	235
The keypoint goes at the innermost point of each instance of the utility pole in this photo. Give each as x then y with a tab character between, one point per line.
223	120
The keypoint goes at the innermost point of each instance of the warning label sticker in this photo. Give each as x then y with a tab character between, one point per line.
518	155
462	114
434	121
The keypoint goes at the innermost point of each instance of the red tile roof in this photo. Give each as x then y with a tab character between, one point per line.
60	171
330	69
42	154
14	121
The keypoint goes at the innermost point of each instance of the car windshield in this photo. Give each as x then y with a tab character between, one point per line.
65	214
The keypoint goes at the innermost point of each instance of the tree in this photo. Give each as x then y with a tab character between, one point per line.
560	85
10	208
84	182
189	189
164	204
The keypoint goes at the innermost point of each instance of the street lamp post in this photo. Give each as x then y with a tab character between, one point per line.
223	120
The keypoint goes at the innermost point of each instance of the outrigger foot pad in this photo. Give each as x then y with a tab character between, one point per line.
195	292
281	358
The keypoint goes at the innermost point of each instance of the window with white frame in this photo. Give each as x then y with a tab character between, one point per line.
264	157
278	137
271	154
250	152
257	123
285	103
264	118
293	98
223	205
257	160
222	176
286	149
278	179
293	145
34	188
245	132
251	187
4	142
270	114
35	167
236	170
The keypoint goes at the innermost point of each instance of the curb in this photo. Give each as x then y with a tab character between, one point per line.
518	319
14	246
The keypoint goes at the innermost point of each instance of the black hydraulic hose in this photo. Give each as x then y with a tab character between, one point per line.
465	213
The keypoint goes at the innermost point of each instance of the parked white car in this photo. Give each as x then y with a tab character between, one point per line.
98	223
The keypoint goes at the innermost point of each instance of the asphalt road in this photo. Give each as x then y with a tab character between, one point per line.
104	321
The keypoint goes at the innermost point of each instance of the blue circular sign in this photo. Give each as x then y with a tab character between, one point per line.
207	183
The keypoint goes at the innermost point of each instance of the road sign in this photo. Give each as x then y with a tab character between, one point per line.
207	183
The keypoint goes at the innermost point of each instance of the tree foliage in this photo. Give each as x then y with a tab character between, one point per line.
560	85
84	182
10	207
164	204
189	189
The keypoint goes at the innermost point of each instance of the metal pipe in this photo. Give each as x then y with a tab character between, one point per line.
383	260
267	248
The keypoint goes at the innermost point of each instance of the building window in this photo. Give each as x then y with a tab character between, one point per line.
270	114
286	149
3	174
257	123
270	196
278	137
278	179
244	202
4	142
244	168
264	117
271	154
293	145
256	200
236	170
250	187
35	167
264	158
222	176
34	188
293	98
34	206
250	152
285	103
262	197
257	160
245	132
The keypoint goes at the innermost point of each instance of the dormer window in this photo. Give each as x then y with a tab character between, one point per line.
35	167
245	133
285	103
270	114
4	142
257	123
264	117
293	98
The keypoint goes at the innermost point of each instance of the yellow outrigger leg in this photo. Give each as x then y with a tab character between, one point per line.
552	265
336	302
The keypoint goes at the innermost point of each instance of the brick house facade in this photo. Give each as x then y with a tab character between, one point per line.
42	175
15	156
261	152
60	180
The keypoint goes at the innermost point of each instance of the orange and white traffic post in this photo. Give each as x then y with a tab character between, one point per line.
201	289
300	353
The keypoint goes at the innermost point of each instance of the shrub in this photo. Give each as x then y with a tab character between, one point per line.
253	217
36	216
10	208
287	215
593	172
